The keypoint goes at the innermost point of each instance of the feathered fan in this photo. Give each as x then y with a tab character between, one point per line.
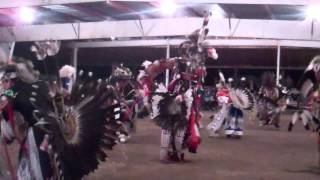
242	98
80	125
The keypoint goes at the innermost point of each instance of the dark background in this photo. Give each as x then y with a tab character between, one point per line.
233	62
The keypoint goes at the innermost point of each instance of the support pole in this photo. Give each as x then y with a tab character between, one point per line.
278	63
167	57
12	45
75	59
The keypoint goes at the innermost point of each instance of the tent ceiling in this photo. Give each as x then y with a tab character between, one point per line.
93	11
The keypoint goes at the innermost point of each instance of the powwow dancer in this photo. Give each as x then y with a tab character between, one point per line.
223	100
67	129
175	108
267	103
234	100
234	122
309	88
121	79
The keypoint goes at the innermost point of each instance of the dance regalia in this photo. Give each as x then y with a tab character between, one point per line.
267	103
233	101
68	129
126	96
219	118
309	104
176	108
308	114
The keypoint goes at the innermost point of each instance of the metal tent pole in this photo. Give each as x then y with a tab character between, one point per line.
278	63
167	57
75	59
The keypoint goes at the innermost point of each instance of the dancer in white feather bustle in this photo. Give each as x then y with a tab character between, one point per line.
223	99
219	118
234	100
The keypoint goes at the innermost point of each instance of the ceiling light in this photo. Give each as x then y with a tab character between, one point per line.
217	12
168	7
27	14
313	12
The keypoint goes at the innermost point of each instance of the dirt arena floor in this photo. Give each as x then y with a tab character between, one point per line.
262	154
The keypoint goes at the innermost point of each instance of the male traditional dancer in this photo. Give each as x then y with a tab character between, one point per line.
309	102
67	129
309	88
127	97
15	79
268	110
175	108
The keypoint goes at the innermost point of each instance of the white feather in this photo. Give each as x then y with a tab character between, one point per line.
306	117
67	71
222	79
156	99
6	130
161	88
188	99
141	74
240	99
146	63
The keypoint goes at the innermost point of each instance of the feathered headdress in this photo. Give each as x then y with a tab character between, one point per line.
311	77
121	72
67	75
19	68
195	50
42	49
